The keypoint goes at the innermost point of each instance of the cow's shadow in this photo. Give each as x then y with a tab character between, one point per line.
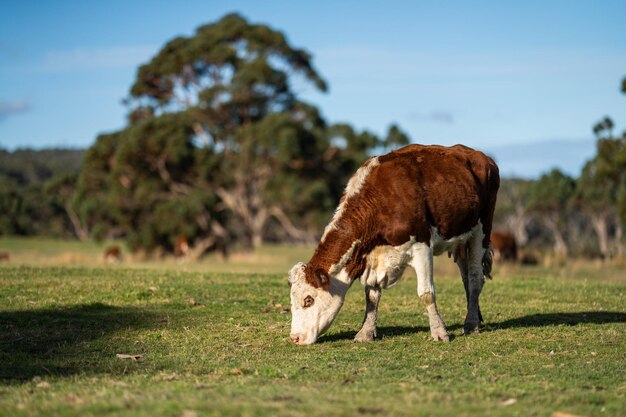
67	340
557	319
532	320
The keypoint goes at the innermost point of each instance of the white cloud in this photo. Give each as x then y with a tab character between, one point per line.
437	116
8	108
96	58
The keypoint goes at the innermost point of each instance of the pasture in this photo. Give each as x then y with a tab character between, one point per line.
211	338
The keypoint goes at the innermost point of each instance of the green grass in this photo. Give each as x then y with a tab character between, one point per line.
216	343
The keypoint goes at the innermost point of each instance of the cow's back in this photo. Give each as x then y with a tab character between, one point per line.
420	187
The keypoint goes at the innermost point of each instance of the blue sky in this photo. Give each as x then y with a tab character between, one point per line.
524	82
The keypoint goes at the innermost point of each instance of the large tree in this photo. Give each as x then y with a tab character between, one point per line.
600	185
219	148
236	80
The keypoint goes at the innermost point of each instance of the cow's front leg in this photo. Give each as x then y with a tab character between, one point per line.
368	329
422	262
475	281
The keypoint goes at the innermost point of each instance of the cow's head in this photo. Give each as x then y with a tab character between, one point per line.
316	299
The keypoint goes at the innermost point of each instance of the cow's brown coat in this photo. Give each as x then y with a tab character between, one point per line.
408	193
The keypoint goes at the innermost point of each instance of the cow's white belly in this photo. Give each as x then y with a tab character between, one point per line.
386	264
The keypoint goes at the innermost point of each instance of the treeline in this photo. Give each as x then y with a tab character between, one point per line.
566	215
31	197
220	150
576	216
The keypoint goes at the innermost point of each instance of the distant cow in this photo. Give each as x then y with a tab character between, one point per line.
181	248
400	209
113	254
504	246
4	256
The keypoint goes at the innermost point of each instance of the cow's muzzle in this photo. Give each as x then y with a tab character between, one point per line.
298	339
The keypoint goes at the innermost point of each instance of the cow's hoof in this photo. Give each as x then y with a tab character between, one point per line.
440	335
365	335
470	328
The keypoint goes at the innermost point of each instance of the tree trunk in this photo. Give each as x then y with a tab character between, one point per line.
619	234
289	227
80	231
217	238
559	246
200	248
601	227
256	225
244	200
518	222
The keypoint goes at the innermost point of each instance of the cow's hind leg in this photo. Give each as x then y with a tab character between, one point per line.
368	329
422	262
461	260
475	281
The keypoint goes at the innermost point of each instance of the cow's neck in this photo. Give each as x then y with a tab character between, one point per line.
340	254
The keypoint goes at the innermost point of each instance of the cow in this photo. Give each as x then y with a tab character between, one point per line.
400	209
504	246
113	254
181	248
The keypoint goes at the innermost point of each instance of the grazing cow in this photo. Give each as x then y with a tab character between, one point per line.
113	254
181	248
4	256
504	246
400	209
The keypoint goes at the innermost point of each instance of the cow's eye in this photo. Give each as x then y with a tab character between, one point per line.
308	301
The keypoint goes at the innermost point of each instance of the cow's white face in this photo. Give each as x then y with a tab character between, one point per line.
312	309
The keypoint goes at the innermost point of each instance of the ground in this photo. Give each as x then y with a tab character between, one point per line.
212	339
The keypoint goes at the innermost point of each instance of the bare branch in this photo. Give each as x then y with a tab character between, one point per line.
288	226
175	187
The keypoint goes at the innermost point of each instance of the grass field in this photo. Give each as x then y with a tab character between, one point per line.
213	340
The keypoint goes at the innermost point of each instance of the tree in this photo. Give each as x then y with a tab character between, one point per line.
25	206
604	128
395	138
61	189
550	196
93	197
11	202
602	185
149	184
600	189
219	148
234	80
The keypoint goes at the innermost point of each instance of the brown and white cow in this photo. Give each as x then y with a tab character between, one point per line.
400	209
181	248
504	246
113	254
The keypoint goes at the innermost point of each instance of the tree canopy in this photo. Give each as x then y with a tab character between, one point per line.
219	140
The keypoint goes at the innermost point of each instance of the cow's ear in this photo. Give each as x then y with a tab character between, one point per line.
321	279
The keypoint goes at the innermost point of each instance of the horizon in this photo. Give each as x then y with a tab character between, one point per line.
524	83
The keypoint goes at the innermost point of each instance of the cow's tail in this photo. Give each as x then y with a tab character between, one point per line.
488	262
491	186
